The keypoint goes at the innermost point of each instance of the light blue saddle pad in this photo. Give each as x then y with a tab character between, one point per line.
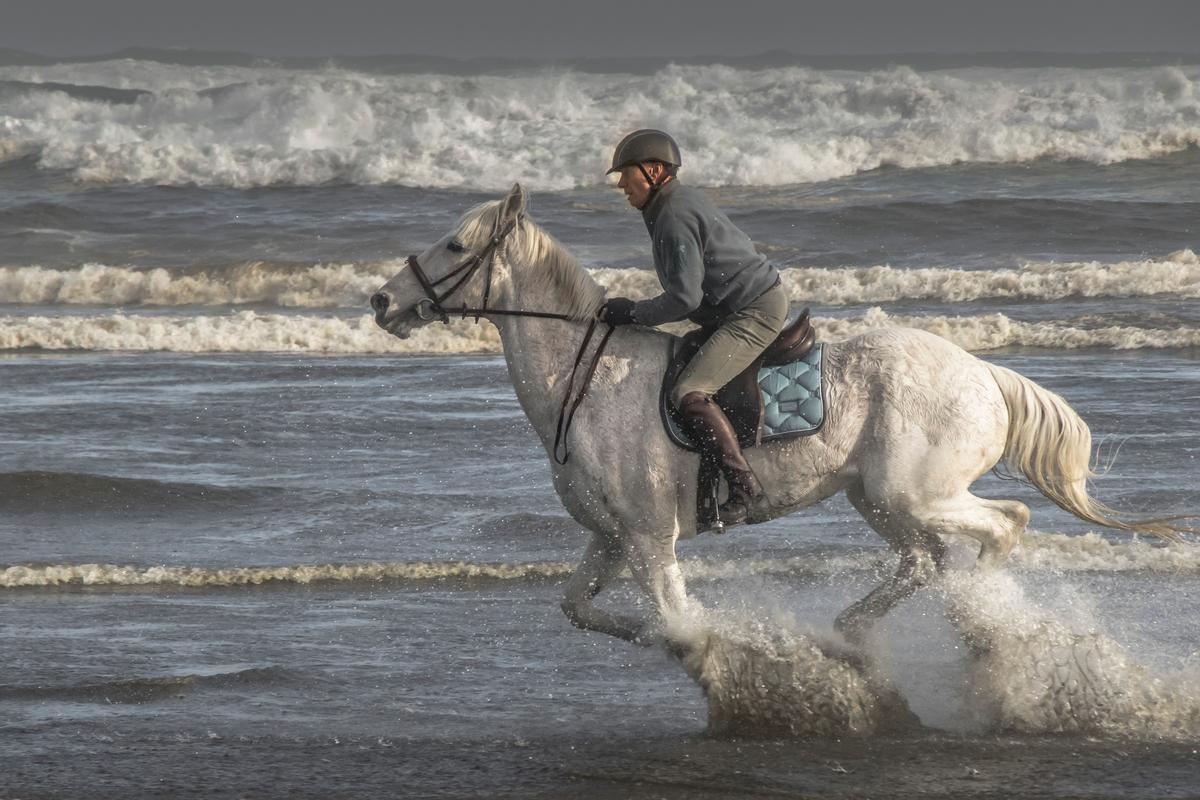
793	400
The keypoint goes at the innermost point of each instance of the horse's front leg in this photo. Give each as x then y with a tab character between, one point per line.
601	562
654	566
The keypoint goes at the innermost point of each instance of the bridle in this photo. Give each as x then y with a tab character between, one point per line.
430	307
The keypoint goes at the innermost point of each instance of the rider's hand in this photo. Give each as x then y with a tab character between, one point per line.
617	311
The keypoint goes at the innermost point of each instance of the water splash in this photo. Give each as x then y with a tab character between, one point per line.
1034	673
767	680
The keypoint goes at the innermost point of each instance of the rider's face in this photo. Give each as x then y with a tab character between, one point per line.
633	182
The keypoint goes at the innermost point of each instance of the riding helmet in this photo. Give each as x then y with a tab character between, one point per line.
644	145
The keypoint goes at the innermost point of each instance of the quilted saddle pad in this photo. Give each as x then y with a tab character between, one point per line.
793	400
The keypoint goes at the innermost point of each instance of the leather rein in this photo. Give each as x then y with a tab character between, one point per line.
431	308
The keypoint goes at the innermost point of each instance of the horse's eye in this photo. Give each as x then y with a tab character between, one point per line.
455	246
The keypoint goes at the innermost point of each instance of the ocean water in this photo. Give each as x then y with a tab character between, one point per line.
251	545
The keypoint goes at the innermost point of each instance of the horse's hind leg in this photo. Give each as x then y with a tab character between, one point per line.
914	526
922	558
996	524
601	562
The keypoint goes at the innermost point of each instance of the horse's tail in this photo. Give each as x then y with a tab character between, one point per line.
1050	445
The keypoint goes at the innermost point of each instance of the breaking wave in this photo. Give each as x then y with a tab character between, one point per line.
254	126
1178	274
115	575
1041	551
256	282
349	285
242	332
25	576
252	332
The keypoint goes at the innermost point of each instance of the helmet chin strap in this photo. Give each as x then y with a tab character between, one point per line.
655	185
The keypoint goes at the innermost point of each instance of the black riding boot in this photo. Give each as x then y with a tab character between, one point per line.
715	435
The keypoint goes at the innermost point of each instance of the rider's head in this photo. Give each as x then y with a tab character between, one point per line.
646	159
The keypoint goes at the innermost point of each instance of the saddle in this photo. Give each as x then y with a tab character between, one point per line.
797	358
742	398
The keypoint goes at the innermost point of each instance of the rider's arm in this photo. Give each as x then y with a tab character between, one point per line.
679	259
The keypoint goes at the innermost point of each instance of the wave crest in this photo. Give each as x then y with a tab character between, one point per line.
251	332
348	285
261	126
115	575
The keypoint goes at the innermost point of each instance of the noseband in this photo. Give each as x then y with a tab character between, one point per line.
431	308
466	268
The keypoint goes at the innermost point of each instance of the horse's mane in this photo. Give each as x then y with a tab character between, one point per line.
545	258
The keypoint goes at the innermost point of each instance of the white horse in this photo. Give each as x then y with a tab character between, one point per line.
911	422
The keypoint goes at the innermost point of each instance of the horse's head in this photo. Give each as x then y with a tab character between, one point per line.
452	271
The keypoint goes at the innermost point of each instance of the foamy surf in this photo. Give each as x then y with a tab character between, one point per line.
239	332
1034	673
230	126
50	575
257	282
348	285
14	577
252	332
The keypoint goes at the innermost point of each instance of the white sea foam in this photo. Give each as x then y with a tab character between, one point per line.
315	286
23	576
116	575
1178	274
252	332
1038	551
1033	672
242	332
350	284
555	128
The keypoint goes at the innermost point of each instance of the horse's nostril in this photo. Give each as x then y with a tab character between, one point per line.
379	302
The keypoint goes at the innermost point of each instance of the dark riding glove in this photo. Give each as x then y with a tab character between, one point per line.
617	311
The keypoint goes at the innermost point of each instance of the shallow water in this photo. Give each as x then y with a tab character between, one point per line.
250	545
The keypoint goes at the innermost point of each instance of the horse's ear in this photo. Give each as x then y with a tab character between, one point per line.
513	206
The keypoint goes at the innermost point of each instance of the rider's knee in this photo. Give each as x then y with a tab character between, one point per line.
683	388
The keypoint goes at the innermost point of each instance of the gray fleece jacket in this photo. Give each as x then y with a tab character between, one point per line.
707	267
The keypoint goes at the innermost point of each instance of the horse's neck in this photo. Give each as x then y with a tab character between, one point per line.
539	352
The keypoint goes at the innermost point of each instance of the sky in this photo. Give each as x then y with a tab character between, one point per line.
604	28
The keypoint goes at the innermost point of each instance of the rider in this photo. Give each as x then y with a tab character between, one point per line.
712	275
